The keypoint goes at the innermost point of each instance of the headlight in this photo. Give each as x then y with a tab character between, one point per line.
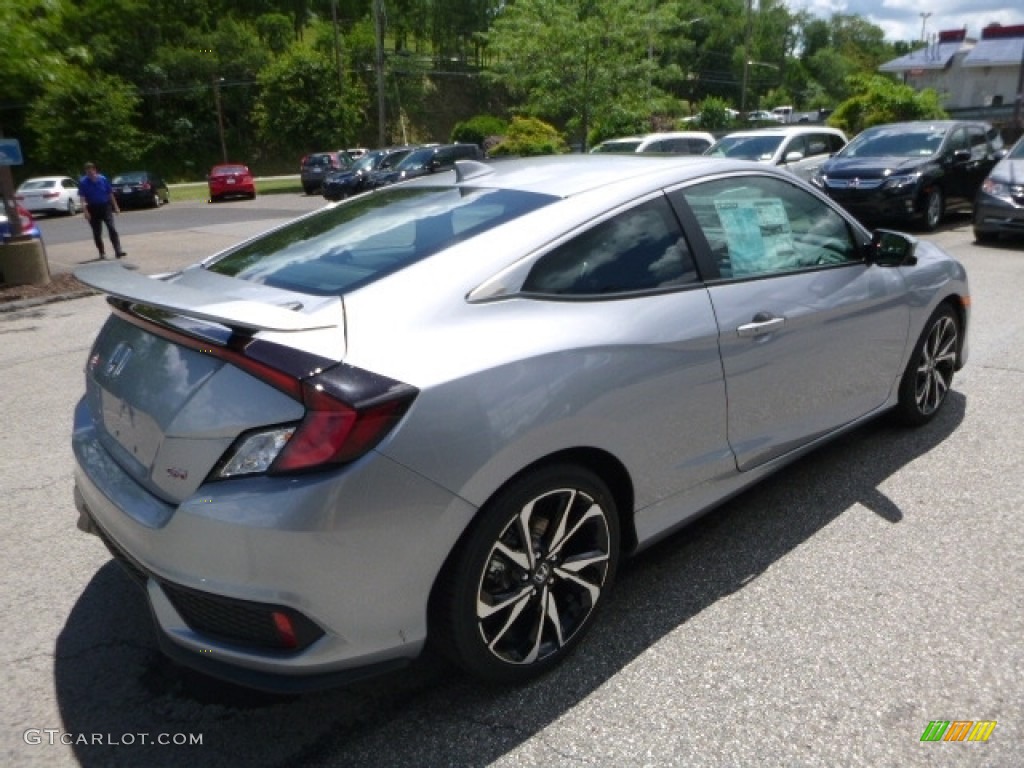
995	188
818	179
898	182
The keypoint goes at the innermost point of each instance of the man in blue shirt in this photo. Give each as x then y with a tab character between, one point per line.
99	205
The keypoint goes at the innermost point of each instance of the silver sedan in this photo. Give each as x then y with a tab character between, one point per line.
443	412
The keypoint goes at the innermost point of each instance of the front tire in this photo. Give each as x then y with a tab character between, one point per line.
523	587
934	208
929	373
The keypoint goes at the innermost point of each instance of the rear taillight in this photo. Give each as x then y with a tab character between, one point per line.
334	432
348	412
51	195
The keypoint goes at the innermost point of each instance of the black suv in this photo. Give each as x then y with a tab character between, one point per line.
426	160
314	168
908	171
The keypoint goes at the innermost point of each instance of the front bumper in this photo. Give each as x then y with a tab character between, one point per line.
996	215
354	552
879	204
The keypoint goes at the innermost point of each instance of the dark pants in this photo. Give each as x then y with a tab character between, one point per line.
99	215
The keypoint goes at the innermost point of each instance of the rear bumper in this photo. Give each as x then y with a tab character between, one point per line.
355	552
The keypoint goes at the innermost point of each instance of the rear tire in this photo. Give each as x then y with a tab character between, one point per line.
523	586
929	373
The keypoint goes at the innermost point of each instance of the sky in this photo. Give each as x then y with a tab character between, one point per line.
901	19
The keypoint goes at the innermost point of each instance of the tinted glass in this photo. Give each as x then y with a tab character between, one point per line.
340	249
640	250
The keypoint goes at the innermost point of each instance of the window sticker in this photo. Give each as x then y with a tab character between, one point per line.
759	235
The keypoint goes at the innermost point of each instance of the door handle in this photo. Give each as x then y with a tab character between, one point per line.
762	324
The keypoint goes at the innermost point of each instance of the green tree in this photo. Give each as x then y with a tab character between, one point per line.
528	136
300	107
878	99
576	62
83	116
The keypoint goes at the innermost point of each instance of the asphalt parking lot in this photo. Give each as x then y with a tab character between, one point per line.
824	618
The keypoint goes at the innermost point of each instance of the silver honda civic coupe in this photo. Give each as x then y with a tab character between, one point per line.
442	412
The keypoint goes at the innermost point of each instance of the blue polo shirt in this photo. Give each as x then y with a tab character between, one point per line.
95	191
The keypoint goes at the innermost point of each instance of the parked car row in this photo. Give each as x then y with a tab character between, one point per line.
59	194
900	173
381	167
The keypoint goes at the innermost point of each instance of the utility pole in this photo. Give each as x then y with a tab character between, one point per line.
924	18
1020	96
220	116
746	59
337	46
378	20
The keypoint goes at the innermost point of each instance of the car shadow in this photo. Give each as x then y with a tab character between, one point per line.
113	685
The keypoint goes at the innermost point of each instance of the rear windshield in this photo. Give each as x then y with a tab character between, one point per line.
339	249
227	170
129	178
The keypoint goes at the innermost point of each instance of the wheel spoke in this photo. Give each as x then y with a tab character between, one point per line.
517	608
594	511
486	610
526	535
522	559
593	589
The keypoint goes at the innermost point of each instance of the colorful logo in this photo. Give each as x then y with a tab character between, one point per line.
958	730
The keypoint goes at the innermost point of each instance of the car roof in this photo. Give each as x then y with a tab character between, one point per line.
569	175
47	178
787	130
935	124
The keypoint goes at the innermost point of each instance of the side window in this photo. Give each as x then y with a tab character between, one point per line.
835	143
641	249
796	144
979	144
959	140
758	226
817	145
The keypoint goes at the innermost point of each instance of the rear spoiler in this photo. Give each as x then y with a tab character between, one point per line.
242	314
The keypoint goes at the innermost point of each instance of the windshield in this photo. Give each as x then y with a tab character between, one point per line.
342	248
1018	150
760	148
887	142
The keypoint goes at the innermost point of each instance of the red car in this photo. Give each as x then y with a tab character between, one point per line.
231	180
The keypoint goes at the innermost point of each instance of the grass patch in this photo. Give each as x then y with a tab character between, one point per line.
199	191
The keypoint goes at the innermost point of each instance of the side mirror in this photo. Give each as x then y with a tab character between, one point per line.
892	249
793	157
961	155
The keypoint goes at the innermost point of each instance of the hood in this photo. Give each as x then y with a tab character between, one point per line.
872	167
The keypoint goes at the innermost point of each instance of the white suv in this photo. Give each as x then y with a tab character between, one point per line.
800	149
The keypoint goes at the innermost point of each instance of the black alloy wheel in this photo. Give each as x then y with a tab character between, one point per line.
929	374
522	588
